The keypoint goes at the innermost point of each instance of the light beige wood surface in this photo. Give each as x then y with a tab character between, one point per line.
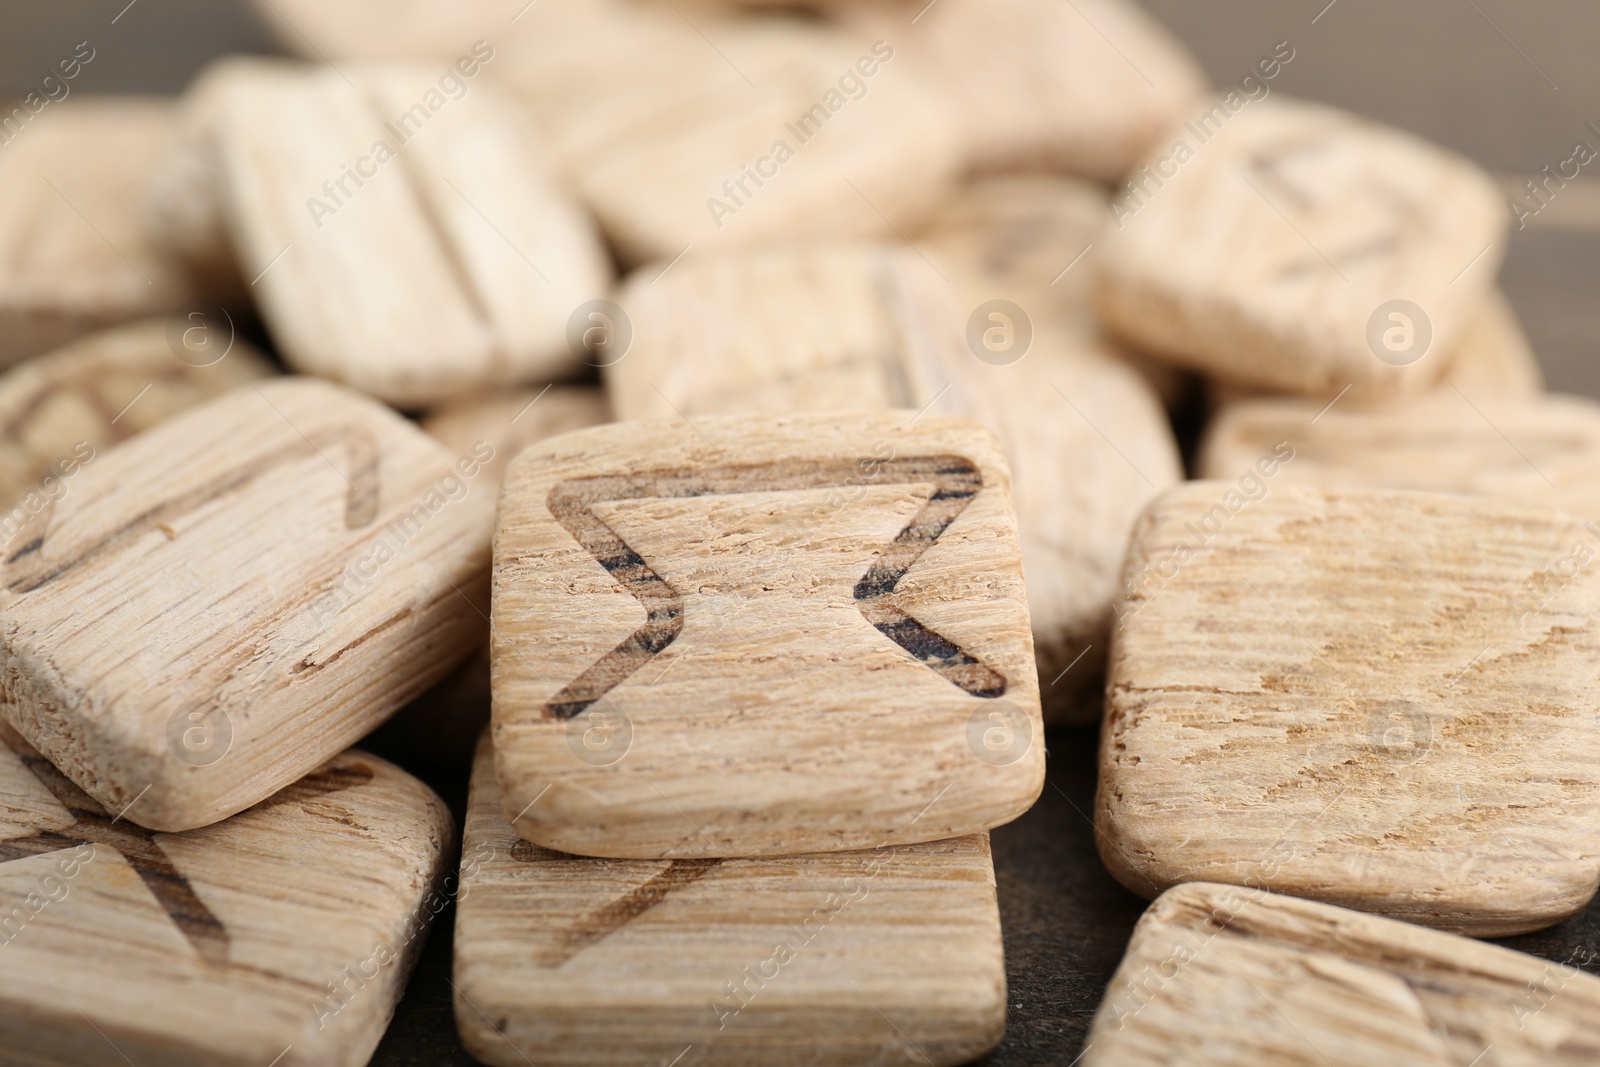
1262	249
184	197
451	261
1030	239
1378	699
77	253
883	956
1543	450
855	326
511	421
842	137
1084	87
667	604
375	30
64	408
283	935
279	570
1221	975
1492	361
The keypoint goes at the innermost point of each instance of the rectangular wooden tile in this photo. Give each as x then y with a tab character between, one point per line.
1377	699
837	326
884	956
1033	85
666	604
781	130
283	567
1223	975
1542	450
283	935
77	253
404	232
1297	248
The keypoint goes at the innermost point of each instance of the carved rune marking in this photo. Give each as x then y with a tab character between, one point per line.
93	825
597	925
955	479
360	508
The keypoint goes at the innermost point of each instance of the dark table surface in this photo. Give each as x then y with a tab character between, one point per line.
1510	85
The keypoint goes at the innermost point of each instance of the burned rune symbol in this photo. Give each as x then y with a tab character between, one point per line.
93	825
597	925
956	481
360	509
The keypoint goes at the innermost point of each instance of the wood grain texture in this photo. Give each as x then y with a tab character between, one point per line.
77	253
100	390
1540	451
279	569
184	198
287	931
884	956
1260	249
1221	975
849	583
1085	87
450	262
511	421
663	136
825	327
1378	699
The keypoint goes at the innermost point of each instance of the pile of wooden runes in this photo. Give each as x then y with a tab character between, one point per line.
769	411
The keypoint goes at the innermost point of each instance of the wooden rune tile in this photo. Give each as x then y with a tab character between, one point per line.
1218	975
1294	247
798	633
883	956
347	199
790	130
833	326
1379	699
77	253
63	408
1541	450
296	921
224	601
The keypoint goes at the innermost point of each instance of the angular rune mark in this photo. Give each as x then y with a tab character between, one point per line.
955	479
93	825
361	503
612	916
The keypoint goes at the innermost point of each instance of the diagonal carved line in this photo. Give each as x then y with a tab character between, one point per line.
612	916
93	825
361	503
956	481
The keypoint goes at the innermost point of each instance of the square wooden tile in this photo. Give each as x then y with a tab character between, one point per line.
796	633
1297	248
283	935
829	326
402	226
884	956
1539	450
1220	975
1379	699
223	602
77	253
